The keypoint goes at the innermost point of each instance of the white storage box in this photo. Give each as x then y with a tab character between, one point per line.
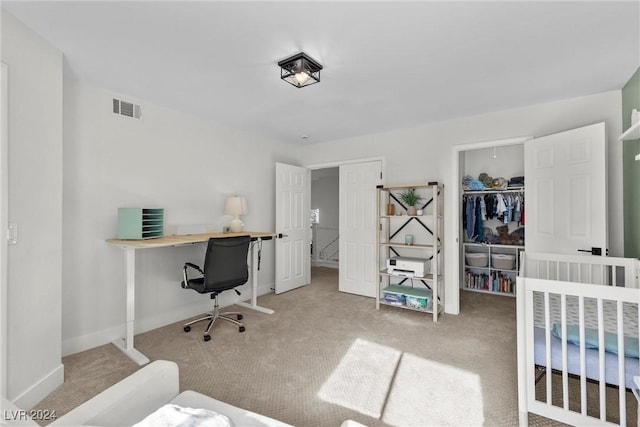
503	261
477	259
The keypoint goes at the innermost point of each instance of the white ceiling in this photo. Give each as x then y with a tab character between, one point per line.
387	65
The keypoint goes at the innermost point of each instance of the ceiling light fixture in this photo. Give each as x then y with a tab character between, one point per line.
300	70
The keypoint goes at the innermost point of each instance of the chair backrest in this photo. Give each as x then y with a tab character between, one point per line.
225	263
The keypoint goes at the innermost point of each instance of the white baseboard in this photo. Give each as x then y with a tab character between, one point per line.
34	394
168	317
328	264
106	336
92	340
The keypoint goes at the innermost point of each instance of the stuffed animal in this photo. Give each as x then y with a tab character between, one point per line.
514	238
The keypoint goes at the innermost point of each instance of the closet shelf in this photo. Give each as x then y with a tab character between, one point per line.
494	266
471	267
496	245
495	190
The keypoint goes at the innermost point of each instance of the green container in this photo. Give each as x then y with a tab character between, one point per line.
140	223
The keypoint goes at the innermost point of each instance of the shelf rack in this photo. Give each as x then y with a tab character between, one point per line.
428	232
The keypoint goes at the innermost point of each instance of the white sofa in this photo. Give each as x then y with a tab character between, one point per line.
142	393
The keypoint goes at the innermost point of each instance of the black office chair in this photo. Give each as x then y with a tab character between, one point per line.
225	268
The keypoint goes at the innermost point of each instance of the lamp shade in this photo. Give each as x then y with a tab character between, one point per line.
235	205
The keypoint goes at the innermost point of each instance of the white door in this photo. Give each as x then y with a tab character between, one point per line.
293	226
4	194
358	227
565	192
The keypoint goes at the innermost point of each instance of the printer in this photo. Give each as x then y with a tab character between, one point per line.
408	267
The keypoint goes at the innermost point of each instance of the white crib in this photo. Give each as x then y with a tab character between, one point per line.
584	296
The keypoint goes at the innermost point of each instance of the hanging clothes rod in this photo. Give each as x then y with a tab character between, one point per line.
490	191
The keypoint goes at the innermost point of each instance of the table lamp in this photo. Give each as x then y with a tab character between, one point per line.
236	206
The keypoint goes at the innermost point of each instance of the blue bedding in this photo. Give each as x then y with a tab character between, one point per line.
591	339
632	364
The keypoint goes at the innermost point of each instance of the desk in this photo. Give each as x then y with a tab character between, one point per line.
130	246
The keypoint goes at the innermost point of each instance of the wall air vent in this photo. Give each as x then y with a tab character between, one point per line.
125	108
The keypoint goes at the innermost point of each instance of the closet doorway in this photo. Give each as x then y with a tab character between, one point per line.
473	159
565	190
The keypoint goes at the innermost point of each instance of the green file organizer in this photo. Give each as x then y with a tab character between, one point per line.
140	223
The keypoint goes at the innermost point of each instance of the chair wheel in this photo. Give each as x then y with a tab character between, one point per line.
241	328
240	316
187	328
207	337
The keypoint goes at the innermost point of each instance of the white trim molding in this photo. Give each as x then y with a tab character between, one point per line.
47	384
4	204
452	229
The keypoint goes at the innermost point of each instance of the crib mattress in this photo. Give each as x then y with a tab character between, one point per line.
632	364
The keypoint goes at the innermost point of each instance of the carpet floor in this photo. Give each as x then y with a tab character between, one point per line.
301	364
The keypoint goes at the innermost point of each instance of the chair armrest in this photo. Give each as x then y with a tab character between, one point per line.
185	276
195	267
128	401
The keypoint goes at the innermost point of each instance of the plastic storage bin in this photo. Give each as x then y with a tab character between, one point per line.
477	259
503	261
417	303
393	298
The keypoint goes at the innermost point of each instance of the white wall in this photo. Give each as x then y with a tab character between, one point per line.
424	153
179	162
35	204
508	163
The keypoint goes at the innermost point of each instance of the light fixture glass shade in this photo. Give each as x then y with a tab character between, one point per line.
300	70
236	206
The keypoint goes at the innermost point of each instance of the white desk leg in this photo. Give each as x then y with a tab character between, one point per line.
126	344
254	283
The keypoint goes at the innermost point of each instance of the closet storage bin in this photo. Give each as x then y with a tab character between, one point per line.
393	298
140	223
417	303
503	261
408	296
477	259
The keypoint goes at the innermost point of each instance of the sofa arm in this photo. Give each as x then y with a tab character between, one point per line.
129	400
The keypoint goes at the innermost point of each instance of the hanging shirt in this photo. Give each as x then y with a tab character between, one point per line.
501	207
478	220
508	202
489	203
517	210
469	211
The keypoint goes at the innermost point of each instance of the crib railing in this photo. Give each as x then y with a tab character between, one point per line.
596	270
533	290
551	290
